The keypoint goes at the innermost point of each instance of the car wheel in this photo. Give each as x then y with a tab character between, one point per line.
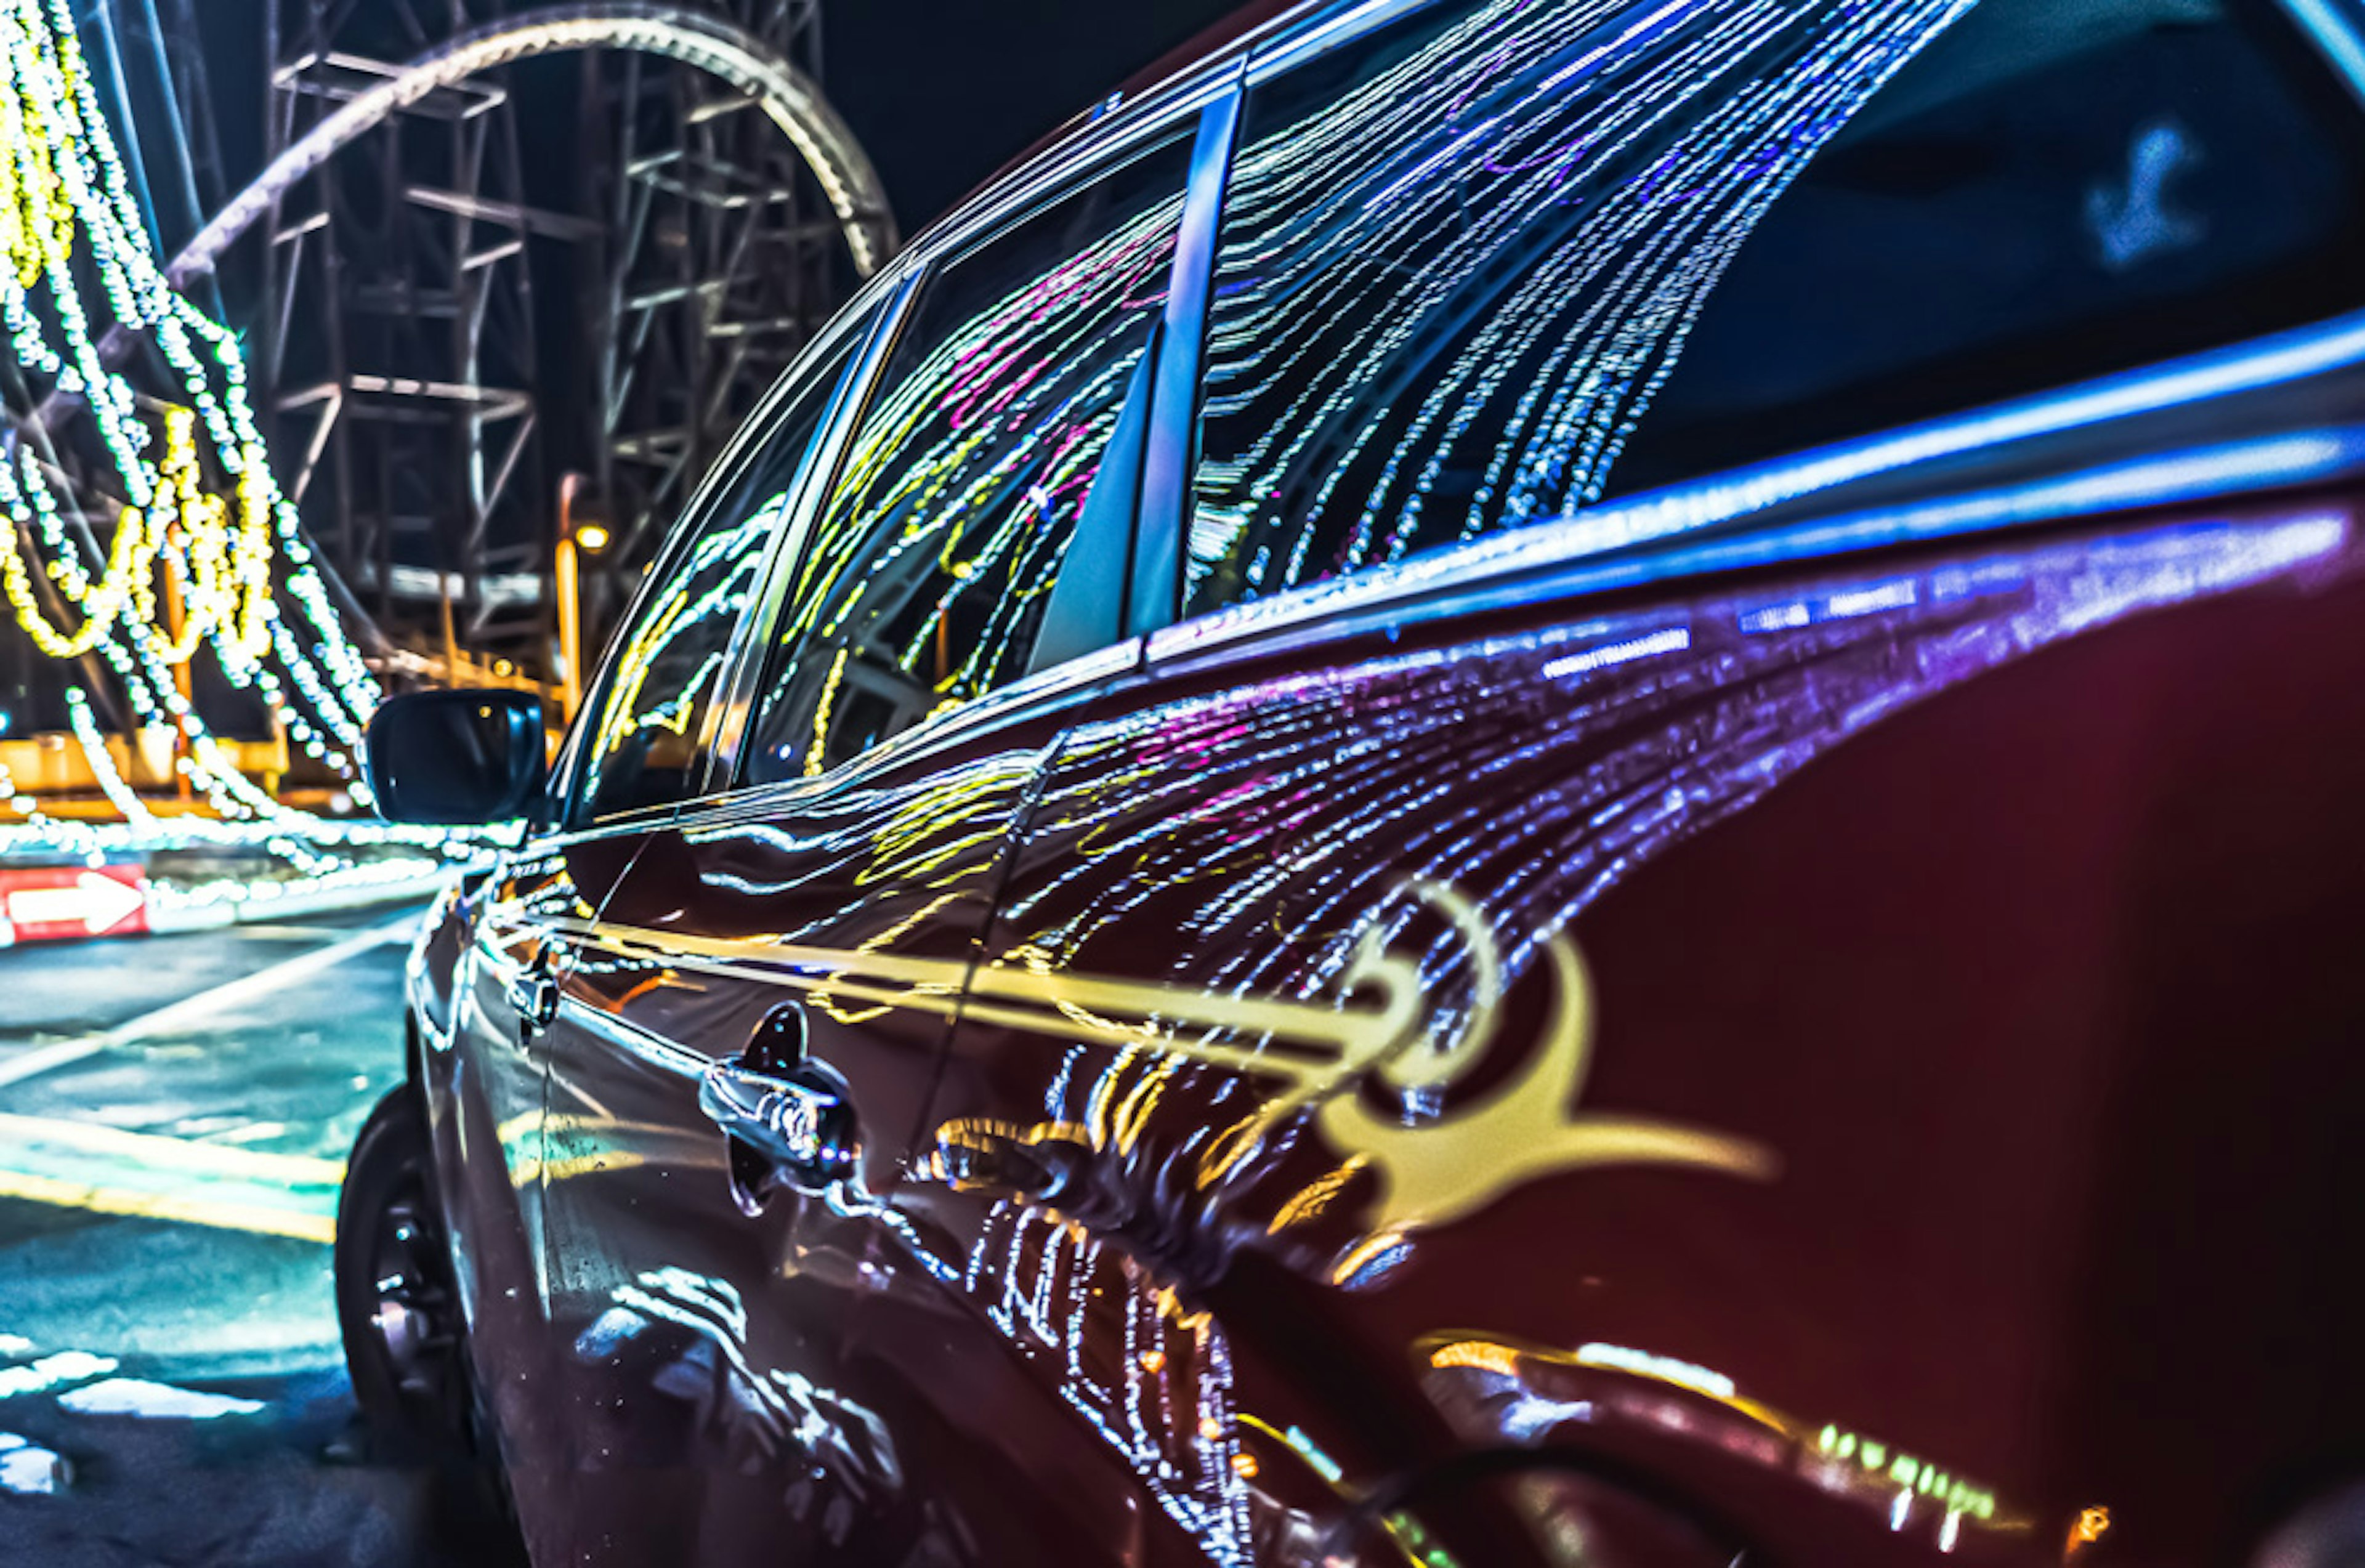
398	1301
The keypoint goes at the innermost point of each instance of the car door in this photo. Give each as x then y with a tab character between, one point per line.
757	1357
613	779
1366	1073
484	1076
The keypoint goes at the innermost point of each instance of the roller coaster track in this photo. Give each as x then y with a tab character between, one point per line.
789	98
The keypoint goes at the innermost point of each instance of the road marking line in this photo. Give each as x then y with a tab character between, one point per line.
261	1221
263	981
35	1062
174	1014
160	1151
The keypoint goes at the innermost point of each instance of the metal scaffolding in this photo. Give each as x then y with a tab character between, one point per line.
395	338
718	260
429	399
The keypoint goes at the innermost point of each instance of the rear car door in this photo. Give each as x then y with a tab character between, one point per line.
756	1357
1669	1000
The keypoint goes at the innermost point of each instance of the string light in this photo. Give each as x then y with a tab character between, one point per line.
203	518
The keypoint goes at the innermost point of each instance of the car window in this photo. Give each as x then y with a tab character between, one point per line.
931	567
1468	263
645	744
2040	197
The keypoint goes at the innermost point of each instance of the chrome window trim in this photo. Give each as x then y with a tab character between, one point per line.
1625	542
1302	37
2338	31
1154	575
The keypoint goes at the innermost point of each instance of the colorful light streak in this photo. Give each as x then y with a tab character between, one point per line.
236	559
935	559
1445	298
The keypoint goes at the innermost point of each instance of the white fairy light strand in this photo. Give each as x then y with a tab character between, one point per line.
62	184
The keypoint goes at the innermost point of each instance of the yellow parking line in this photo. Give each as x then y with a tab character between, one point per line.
156	1150
180	1206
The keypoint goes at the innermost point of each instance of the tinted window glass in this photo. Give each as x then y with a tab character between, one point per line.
2045	195
933	563
1467	262
645	746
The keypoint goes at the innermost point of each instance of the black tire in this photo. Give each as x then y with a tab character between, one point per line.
397	1300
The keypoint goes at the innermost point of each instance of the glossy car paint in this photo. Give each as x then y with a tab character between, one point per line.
1830	922
1807	1015
742	1346
483	1069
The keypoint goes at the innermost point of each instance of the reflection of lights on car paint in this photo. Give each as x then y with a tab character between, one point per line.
1673	639
27	1470
1324	1466
1528	1392
1917	1477
1528	1416
773	1406
53	1371
1279	738
1151	1380
1666	1369
1371	1262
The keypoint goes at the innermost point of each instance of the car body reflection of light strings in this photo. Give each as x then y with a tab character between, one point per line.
1655	750
1493	1389
705	1323
1152	1379
1610	182
1647	752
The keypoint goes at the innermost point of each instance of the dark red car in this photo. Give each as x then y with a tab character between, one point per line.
1570	782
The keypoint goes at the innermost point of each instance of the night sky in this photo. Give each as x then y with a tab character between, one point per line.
941	92
944	92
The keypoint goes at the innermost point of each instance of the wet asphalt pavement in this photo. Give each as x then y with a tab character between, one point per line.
174	1112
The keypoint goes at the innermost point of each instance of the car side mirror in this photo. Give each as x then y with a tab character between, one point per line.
455	757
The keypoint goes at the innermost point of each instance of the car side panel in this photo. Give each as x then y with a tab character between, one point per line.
482	1075
1748	1035
800	1382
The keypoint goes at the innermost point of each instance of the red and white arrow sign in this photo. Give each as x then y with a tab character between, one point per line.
54	902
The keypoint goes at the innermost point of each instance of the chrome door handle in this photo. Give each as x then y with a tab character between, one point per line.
533	993
794	1120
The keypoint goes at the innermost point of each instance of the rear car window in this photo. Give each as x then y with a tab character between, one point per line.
2048	193
1497	261
934	560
